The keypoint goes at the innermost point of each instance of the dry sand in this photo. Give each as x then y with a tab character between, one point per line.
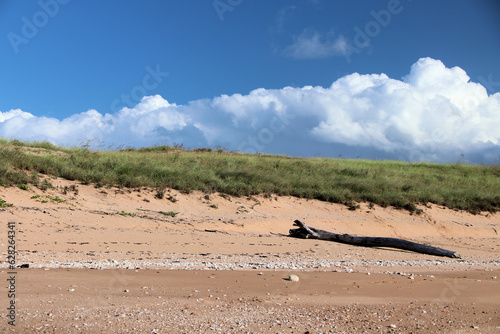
114	260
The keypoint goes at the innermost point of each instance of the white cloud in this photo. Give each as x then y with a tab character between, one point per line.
133	127
311	45
14	113
434	113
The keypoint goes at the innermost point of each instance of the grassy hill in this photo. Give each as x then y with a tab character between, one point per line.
387	183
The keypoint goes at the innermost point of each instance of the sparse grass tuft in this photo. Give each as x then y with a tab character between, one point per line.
56	199
169	213
160	193
4	204
123	213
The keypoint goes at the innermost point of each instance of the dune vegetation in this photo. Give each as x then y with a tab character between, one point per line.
403	185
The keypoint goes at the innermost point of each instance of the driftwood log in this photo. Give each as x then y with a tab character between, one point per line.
306	232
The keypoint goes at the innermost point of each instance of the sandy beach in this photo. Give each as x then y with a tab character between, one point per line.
119	260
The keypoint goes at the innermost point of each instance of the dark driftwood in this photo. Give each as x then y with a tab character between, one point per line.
306	232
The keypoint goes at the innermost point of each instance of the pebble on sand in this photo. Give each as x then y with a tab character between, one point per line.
293	278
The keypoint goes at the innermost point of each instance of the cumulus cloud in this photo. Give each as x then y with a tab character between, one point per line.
310	45
434	113
141	125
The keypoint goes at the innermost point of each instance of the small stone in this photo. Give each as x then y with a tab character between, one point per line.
393	326
293	278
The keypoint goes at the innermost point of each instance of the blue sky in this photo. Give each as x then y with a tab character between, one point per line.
85	67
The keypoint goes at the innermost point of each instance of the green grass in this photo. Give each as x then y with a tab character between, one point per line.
123	213
403	185
4	204
169	213
56	199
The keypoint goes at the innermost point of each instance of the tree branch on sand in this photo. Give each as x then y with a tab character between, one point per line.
306	232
